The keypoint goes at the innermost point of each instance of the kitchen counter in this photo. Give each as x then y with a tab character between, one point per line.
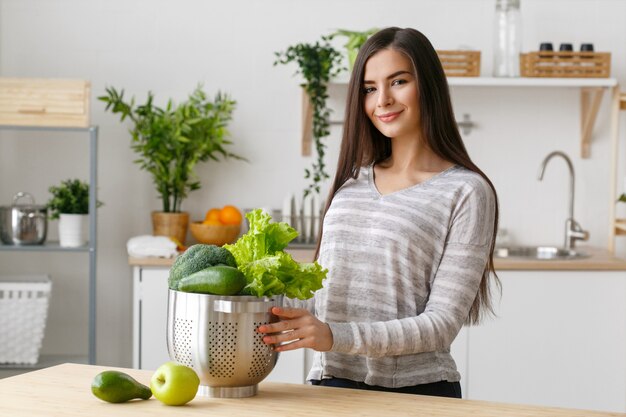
600	260
299	254
64	390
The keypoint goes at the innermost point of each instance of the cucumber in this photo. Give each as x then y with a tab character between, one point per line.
218	280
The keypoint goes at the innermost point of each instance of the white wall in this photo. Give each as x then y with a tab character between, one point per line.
169	46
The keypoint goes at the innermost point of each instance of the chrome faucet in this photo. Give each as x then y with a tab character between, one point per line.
573	231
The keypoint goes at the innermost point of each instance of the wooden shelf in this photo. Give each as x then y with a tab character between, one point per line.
44	102
591	92
518	82
532	82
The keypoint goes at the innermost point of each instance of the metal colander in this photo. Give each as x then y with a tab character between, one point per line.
216	336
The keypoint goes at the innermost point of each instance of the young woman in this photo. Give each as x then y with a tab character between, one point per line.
408	233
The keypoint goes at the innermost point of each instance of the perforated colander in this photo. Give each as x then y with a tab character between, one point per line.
216	336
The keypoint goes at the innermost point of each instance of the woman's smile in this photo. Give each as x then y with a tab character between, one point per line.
388	117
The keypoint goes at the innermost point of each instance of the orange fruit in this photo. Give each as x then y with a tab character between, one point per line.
230	215
212	222
212	215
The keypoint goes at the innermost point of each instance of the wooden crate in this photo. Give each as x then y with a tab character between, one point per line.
566	64
44	102
460	63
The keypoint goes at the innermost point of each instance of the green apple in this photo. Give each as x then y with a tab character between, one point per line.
174	384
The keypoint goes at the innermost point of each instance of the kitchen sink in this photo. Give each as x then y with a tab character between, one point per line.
538	253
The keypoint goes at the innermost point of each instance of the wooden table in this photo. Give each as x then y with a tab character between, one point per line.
64	391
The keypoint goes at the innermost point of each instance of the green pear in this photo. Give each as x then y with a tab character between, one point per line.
118	387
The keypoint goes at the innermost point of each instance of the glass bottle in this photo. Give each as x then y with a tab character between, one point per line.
507	38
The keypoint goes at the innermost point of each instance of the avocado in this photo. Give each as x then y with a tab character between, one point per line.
218	280
196	258
118	387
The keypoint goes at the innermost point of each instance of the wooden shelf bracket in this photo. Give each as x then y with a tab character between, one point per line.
617	226
590	100
620	227
307	124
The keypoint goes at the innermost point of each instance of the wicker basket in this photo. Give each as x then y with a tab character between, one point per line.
215	234
460	63
566	64
23	312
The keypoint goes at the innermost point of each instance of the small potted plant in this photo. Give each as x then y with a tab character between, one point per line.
170	141
70	205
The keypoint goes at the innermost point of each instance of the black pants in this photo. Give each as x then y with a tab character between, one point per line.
437	389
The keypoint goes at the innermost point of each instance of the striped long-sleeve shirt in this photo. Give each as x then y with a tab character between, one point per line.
404	270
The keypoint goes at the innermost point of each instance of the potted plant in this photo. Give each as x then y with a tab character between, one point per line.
170	141
70	204
317	63
355	41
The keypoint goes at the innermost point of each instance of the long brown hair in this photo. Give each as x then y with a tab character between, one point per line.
362	144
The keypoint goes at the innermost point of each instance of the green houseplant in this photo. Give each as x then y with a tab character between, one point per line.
171	141
317	63
355	40
70	204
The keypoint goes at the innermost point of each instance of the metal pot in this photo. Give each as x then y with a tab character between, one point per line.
23	224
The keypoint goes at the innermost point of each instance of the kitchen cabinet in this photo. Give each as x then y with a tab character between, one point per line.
150	291
91	132
149	317
559	339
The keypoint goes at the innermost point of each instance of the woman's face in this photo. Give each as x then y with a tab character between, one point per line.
391	94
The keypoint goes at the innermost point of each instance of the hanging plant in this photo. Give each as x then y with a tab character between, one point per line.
317	63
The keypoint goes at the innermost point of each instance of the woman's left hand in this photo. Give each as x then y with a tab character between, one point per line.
298	327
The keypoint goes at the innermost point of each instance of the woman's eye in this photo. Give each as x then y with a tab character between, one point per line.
368	90
398	82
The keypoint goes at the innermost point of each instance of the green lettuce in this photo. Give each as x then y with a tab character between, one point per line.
268	269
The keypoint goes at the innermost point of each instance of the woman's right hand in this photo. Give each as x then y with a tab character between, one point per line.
297	328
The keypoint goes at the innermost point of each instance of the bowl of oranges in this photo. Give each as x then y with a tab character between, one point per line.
219	227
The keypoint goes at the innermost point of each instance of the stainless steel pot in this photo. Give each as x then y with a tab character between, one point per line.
23	224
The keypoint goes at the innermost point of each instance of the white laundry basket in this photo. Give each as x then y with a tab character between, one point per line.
23	311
